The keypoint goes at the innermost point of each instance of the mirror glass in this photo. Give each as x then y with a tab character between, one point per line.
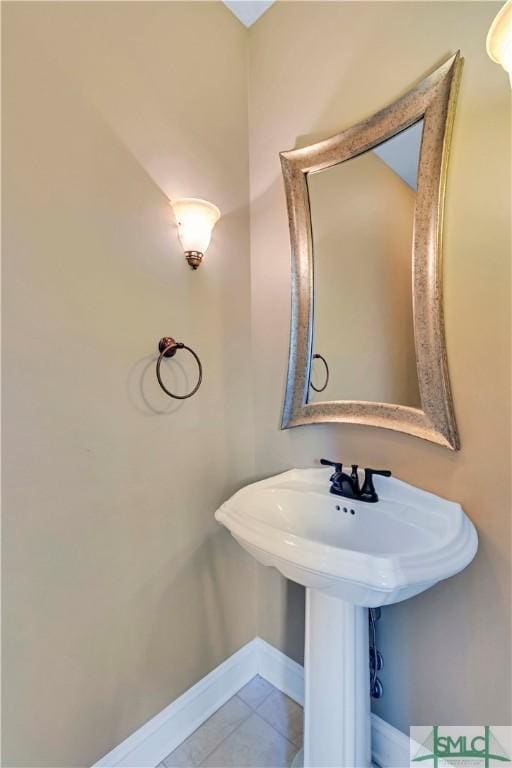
362	214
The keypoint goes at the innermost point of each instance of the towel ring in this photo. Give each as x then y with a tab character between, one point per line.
324	361
167	348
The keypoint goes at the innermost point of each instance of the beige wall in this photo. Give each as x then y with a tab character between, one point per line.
120	590
362	217
447	652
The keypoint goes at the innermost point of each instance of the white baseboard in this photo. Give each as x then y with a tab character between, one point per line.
390	747
153	741
284	673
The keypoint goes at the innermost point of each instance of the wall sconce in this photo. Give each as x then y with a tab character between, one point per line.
195	219
499	39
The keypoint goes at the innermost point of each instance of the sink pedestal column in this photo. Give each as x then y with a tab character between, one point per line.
337	684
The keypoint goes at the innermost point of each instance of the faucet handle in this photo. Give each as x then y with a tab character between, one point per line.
338	466
383	472
368	489
355	479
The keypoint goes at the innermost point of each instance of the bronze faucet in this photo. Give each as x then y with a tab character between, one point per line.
346	485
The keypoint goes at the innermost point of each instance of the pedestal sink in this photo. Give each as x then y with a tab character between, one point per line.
350	555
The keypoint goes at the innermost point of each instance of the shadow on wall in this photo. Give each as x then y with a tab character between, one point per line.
144	392
294	626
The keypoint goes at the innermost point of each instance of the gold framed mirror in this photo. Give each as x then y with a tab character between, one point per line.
367	298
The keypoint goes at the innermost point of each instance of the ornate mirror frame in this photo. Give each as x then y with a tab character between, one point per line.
433	99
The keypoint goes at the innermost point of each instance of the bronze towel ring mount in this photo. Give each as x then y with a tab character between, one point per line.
167	346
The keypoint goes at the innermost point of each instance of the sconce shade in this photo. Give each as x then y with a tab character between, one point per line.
499	39
195	219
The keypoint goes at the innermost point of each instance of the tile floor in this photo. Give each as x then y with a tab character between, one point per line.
260	727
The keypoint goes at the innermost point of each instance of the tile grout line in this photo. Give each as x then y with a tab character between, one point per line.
252	711
244	720
207	755
284	735
278	732
228	735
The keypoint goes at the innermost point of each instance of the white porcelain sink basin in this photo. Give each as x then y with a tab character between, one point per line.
350	556
370	554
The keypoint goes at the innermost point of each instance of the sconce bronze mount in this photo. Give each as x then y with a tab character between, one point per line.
194	258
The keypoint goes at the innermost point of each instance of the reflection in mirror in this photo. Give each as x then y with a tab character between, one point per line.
362	214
